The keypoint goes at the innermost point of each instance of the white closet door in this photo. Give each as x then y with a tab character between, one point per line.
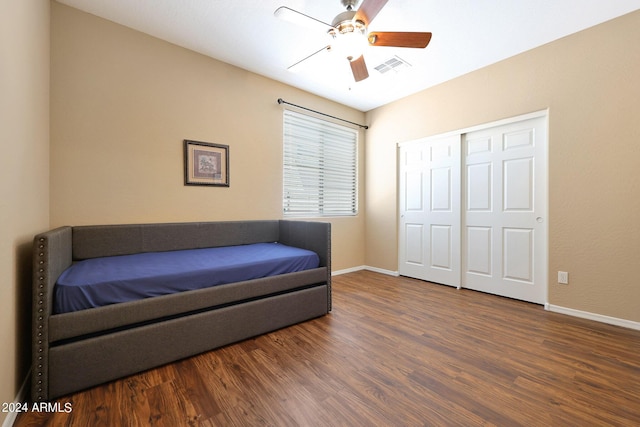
430	215
505	233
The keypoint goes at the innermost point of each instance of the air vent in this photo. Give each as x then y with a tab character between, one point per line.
395	63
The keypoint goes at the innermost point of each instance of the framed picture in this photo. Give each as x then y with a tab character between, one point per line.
206	164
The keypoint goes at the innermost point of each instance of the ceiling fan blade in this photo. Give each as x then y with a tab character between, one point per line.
398	39
359	69
369	9
290	15
291	68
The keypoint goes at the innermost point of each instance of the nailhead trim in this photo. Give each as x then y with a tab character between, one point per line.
41	298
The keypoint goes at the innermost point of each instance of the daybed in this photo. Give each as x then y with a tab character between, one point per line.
83	348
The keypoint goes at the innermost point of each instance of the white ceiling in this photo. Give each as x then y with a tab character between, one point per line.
467	35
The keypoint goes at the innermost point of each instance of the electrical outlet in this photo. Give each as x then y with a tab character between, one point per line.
563	277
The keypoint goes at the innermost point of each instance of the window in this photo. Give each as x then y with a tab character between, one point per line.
320	167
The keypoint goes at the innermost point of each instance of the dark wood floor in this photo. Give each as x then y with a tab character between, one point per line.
394	352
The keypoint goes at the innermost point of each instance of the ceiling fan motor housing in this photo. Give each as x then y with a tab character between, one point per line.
344	23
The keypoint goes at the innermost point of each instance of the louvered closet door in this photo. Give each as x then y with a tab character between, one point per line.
429	229
504	236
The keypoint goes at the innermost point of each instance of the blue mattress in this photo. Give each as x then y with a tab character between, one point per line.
101	281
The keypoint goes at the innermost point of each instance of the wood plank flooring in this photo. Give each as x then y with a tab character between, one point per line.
394	352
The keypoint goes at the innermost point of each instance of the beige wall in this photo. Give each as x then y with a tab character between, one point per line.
590	82
24	173
122	103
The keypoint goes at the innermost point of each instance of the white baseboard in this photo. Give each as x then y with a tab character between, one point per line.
20	398
347	270
382	271
365	267
593	316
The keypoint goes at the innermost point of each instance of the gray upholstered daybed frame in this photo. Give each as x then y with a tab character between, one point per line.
78	350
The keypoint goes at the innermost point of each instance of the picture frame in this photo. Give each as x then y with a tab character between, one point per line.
206	163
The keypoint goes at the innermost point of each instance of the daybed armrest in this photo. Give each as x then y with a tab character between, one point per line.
311	235
51	256
314	236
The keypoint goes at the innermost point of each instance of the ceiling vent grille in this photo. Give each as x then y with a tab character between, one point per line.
395	63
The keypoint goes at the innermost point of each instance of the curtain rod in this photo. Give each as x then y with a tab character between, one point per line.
282	101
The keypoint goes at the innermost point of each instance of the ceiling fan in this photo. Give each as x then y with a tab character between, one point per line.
350	34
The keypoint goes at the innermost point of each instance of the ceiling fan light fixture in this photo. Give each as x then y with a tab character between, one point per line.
349	35
351	45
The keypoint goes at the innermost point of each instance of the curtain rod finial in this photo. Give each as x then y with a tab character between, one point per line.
280	100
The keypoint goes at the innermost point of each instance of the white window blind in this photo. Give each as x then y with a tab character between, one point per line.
320	167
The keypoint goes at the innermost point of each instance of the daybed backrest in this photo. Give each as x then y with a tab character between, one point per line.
110	240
